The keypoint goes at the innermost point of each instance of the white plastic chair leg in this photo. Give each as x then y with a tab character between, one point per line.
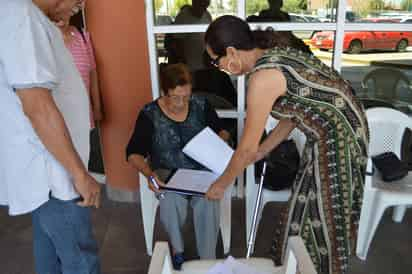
398	213
251	192
148	225
370	218
149	205
226	219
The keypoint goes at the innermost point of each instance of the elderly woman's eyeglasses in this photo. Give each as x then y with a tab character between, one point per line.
215	62
178	98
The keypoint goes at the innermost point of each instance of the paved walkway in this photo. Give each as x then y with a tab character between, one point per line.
119	231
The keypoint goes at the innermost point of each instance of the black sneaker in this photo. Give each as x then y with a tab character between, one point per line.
177	261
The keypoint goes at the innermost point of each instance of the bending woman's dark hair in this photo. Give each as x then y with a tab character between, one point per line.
231	31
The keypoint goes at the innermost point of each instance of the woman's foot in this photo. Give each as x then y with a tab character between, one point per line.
177	261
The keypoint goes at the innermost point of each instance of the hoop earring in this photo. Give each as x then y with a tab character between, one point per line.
230	70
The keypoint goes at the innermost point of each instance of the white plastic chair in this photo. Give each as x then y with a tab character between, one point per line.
267	195
297	260
149	205
386	131
384	83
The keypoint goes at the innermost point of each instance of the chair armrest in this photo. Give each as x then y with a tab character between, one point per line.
298	249
161	262
145	191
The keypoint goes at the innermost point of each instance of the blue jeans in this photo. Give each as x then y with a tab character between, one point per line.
63	240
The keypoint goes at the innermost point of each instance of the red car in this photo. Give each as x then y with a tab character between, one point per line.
355	42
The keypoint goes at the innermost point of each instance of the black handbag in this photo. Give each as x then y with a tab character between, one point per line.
282	164
406	148
95	157
390	166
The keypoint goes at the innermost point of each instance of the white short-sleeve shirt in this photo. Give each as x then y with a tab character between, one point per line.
33	54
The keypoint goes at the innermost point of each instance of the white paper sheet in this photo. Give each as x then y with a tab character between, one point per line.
210	150
192	180
231	266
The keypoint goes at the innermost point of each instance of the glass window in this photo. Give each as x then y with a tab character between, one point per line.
191	11
322	43
380	11
183	48
356	42
379	67
297	11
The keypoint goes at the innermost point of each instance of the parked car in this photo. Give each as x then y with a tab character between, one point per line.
355	42
313	18
406	20
350	16
163	20
303	18
378	20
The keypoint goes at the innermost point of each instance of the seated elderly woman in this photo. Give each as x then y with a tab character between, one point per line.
162	129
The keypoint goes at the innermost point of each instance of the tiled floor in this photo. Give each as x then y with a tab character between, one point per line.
119	231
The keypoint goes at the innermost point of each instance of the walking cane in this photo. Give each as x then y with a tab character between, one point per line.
252	233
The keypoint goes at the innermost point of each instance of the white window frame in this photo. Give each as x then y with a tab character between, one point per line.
340	26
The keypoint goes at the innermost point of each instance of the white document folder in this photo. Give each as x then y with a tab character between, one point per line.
211	151
191	182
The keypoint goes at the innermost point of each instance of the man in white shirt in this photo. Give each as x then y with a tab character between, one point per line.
44	141
190	47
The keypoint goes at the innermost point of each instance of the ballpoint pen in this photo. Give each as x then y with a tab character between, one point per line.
156	185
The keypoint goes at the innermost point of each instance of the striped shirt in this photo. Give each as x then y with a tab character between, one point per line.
83	56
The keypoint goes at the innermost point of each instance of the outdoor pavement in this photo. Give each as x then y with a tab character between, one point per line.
119	231
364	59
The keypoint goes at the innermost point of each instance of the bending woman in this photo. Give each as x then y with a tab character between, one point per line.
300	91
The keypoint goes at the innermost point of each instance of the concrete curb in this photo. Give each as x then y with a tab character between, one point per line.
344	58
329	57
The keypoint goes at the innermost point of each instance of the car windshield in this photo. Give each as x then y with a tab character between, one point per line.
313	19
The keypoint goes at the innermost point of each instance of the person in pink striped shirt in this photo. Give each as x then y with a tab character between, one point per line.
79	44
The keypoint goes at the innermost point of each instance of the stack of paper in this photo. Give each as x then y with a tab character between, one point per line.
231	266
211	151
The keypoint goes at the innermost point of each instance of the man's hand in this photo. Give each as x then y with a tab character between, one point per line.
89	189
